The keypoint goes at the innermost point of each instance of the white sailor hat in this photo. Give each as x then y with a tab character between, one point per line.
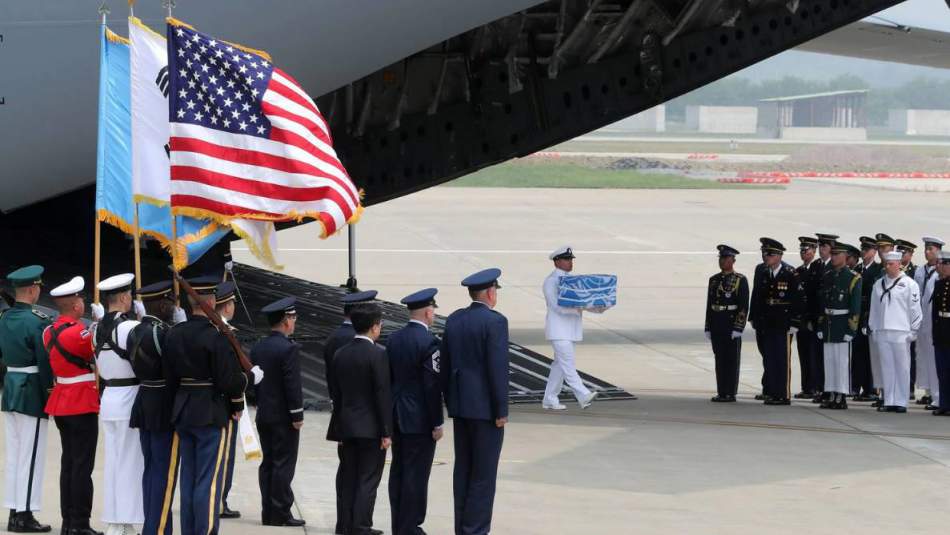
893	256
117	283
561	252
74	287
933	241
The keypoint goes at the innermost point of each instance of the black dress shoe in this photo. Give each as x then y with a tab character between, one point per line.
778	401
84	531
759	397
924	400
11	520
25	523
900	410
804	395
288	522
941	412
878	403
376	531
931	407
227	512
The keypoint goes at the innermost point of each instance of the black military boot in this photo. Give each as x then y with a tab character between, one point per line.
81	527
12	520
26	523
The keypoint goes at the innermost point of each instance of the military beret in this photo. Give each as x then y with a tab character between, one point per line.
359	298
562	253
883	239
26	276
74	287
771	246
828	239
117	283
936	242
420	299
204	285
806	242
486	278
905	245
224	293
725	250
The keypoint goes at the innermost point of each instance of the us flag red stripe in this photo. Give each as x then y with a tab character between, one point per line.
247	141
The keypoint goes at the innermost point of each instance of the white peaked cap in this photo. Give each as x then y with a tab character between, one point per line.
566	249
72	287
929	239
116	281
893	255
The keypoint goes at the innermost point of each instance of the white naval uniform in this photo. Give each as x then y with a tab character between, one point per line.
124	462
926	278
895	318
562	326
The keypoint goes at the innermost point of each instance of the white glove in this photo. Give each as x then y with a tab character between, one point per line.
179	316
811	326
864	331
736	334
228	266
912	337
793	330
98	312
848	338
258	374
820	335
139	308
708	336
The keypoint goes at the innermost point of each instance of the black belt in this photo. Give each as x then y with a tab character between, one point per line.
153	383
188	381
131	381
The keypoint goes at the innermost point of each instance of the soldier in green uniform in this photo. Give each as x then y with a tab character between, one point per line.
840	300
727	307
25	389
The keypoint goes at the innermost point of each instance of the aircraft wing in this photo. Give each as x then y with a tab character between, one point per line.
894	43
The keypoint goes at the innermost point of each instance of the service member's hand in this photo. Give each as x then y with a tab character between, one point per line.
139	308
98	312
912	337
297	425
437	434
236	416
848	338
229	266
258	374
864	331
179	316
500	422
736	334
385	443
793	330
820	335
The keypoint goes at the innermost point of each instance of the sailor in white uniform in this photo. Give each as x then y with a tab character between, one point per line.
926	278
895	319
124	462
562	326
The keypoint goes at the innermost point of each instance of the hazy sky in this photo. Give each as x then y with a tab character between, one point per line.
929	14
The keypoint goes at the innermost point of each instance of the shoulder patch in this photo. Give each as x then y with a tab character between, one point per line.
83	334
40	315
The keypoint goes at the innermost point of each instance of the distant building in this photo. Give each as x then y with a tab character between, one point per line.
722	119
651	120
834	115
919	122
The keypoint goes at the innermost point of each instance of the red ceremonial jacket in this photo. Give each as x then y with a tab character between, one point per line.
71	356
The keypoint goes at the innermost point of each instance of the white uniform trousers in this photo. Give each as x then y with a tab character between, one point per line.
563	370
26	458
895	369
877	375
927	365
124	465
838	367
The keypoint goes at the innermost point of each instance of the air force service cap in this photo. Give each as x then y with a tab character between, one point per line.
420	299
117	283
26	276
725	250
155	291
277	310
224	293
359	298
485	278
770	246
72	288
562	253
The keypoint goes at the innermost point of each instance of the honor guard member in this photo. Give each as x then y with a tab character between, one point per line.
341	336
474	375
853	259
825	243
225	306
417	412
124	462
885	244
939	309
279	412
925	276
362	395
152	408
74	404
895	319
862	381
563	327
806	307
25	387
210	390
907	248
772	318
840	300
757	282
727	306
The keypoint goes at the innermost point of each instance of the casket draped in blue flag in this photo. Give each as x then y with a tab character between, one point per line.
587	291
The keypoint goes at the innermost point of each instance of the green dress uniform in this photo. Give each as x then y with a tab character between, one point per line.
25	389
840	298
727	309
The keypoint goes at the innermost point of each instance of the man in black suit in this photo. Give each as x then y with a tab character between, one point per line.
341	336
362	406
417	400
279	413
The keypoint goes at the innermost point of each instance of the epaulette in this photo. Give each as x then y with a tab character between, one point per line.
40	315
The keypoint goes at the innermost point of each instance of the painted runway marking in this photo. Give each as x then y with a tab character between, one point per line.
483	251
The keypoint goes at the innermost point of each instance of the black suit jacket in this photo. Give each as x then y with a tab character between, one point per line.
280	394
359	386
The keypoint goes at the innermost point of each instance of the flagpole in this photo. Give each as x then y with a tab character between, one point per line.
138	253
95	292
175	251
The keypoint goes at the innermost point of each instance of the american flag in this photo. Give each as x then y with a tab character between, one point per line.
246	140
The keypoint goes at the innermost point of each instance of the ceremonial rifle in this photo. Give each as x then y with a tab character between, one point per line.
216	319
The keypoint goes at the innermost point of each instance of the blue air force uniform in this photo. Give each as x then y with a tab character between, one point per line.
279	406
770	312
211	389
417	412
474	375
